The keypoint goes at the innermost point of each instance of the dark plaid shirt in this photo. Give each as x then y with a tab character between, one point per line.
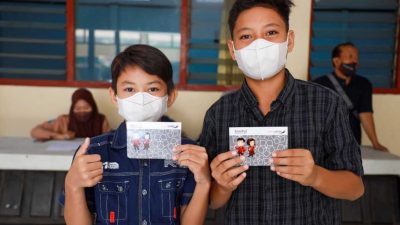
317	120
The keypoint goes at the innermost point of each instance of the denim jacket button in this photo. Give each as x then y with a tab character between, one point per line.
120	188
144	192
144	222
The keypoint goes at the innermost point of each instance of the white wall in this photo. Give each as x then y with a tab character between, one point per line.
22	107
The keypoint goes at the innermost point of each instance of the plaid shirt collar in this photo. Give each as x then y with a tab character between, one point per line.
284	97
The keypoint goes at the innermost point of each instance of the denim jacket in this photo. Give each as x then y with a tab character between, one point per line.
136	191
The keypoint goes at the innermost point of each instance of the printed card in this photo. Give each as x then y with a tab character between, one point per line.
257	144
152	140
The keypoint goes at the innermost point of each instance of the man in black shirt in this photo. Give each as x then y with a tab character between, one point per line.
356	90
323	162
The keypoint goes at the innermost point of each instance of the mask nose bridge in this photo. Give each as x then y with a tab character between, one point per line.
258	50
141	98
137	98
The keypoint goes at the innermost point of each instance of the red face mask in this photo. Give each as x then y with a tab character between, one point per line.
83	116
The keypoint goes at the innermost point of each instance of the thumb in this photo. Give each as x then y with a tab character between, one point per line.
83	148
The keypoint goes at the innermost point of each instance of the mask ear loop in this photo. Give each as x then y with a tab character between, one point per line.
233	45
287	37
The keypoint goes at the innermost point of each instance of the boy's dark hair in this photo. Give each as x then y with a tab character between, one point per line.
241	139
148	58
338	49
282	7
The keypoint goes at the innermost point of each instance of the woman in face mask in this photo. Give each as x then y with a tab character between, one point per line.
83	120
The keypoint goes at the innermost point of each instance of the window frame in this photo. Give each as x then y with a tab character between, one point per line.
70	59
183	67
394	90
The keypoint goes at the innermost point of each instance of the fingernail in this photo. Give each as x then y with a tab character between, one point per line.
244	174
246	167
273	168
242	158
271	160
274	154
234	152
174	157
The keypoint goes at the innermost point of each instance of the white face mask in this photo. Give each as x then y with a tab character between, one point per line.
261	59
142	107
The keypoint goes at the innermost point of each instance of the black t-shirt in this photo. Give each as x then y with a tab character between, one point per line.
359	91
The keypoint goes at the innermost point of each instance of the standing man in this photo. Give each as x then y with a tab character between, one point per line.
323	162
355	90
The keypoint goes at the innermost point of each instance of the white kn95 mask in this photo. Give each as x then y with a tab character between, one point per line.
142	107
261	59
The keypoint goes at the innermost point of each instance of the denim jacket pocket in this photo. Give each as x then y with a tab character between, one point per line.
113	200
169	189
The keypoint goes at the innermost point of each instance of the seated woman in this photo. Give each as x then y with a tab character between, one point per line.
83	120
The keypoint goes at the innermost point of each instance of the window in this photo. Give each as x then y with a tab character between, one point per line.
104	28
210	66
73	42
371	25
32	40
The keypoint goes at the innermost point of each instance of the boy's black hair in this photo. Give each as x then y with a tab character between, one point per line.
241	139
148	58
282	7
338	49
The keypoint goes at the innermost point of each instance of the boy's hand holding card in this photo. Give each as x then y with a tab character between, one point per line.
257	144
152	140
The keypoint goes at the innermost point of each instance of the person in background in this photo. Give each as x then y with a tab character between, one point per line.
355	90
83	120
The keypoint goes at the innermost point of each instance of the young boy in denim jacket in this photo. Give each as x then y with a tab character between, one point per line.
103	181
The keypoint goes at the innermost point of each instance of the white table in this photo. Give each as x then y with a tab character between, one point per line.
379	163
20	153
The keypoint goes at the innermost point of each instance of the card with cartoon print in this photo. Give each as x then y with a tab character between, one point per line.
152	140
257	144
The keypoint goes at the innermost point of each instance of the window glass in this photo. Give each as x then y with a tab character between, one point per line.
105	28
32	40
369	24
